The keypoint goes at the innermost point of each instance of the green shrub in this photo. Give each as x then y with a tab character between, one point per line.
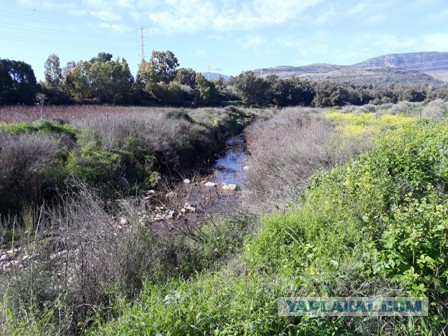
179	114
42	125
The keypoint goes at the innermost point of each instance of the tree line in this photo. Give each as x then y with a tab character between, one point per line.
160	82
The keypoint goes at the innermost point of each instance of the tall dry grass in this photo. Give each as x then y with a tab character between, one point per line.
13	114
285	151
24	159
87	254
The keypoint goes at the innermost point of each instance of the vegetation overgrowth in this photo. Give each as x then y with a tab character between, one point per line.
355	204
373	226
37	156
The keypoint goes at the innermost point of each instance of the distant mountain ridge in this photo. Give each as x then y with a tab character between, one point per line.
311	68
409	68
214	75
420	61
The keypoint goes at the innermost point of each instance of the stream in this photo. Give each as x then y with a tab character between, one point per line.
217	191
229	169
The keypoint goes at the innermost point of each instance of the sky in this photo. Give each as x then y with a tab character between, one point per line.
225	36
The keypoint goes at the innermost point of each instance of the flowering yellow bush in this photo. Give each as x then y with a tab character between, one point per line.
363	124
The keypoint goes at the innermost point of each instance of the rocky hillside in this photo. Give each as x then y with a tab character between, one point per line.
409	68
287	71
373	75
420	61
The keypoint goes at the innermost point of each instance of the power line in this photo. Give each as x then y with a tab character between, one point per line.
54	36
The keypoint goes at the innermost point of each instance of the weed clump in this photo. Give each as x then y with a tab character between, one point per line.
40	126
435	110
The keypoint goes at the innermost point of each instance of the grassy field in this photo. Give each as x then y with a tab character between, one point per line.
336	203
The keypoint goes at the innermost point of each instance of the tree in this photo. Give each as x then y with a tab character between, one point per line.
252	89
186	77
111	81
102	79
167	94
6	84
205	91
413	94
160	68
144	74
102	57
53	71
303	92
54	88
18	83
164	65
77	81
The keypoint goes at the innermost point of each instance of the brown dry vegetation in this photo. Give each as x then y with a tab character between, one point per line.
102	143
13	114
285	151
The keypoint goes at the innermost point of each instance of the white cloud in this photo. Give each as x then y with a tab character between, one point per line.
381	42
253	41
358	9
376	18
425	3
319	39
97	3
287	41
183	15
222	15
118	27
190	15
325	16
77	12
391	42
125	3
371	11
136	16
200	53
106	16
261	13
281	11
439	16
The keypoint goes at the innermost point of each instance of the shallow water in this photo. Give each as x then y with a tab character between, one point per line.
229	168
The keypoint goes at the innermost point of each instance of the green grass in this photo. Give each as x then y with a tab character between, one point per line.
375	226
42	126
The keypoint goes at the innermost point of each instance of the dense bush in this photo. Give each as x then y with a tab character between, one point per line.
435	110
26	161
